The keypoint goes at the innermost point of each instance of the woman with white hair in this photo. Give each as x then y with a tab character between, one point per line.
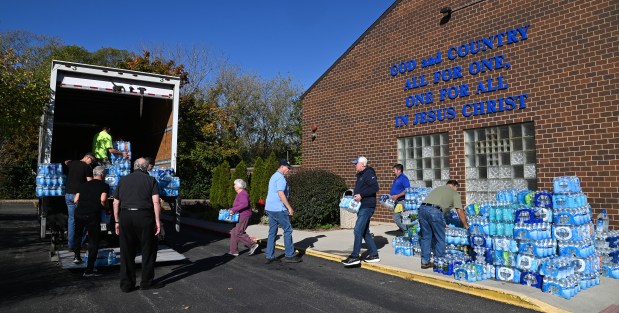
241	206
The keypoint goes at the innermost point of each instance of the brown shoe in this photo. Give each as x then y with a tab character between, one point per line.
427	265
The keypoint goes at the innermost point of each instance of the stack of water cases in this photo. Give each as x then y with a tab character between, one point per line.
413	198
119	166
607	247
501	216
573	230
480	267
122	164
457	244
533	233
50	180
166	180
402	245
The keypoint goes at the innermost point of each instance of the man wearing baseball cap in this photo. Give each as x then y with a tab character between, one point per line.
365	191
279	211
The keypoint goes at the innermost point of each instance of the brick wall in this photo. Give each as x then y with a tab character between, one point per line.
568	67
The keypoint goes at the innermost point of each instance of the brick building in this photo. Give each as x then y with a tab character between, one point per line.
492	93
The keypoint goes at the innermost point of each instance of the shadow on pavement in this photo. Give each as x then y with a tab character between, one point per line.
308	242
193	268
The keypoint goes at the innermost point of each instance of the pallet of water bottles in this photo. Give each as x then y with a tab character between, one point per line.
167	181
50	181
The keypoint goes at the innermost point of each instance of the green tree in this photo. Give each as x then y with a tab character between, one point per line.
204	142
215	193
271	165
266	113
23	97
257	192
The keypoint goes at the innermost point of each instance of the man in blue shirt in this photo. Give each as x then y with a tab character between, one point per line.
398	190
279	211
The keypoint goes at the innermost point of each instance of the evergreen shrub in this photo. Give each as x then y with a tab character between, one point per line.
314	196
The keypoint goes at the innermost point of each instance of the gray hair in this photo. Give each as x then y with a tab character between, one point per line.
98	171
140	165
240	183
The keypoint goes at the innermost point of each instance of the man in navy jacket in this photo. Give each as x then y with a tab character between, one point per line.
365	192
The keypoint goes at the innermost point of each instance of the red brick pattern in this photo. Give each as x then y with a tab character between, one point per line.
568	66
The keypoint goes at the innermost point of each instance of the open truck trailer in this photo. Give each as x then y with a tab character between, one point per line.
139	107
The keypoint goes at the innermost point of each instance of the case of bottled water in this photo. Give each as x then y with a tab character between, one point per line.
228	216
539	248
543	198
536	231
168	183
507	273
566	184
526	198
50	181
531	279
564	287
530	263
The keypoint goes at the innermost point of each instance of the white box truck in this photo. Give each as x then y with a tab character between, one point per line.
138	107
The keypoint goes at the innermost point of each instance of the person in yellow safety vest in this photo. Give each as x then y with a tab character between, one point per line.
102	145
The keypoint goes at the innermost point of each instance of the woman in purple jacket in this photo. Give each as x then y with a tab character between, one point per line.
241	206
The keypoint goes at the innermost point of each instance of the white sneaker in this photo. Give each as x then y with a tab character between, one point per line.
253	249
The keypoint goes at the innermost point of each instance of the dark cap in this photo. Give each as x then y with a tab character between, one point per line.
285	163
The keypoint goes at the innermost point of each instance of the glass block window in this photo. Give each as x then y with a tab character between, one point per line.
498	158
425	159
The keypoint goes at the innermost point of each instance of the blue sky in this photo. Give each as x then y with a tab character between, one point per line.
297	38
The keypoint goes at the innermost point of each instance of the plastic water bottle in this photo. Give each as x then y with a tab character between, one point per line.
602	222
111	257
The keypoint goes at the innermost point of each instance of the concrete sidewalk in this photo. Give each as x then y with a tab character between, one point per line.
336	245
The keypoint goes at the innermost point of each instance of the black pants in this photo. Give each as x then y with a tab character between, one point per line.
137	229
92	223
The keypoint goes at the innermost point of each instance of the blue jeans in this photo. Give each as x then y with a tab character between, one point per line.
397	218
361	230
279	218
71	206
432	224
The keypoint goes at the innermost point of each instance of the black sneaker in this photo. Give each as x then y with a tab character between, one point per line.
372	259
351	261
293	259
273	260
77	260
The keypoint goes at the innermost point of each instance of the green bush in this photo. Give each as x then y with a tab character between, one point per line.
17	181
314	196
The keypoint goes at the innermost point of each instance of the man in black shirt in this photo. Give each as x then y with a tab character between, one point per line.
136	210
91	199
79	172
